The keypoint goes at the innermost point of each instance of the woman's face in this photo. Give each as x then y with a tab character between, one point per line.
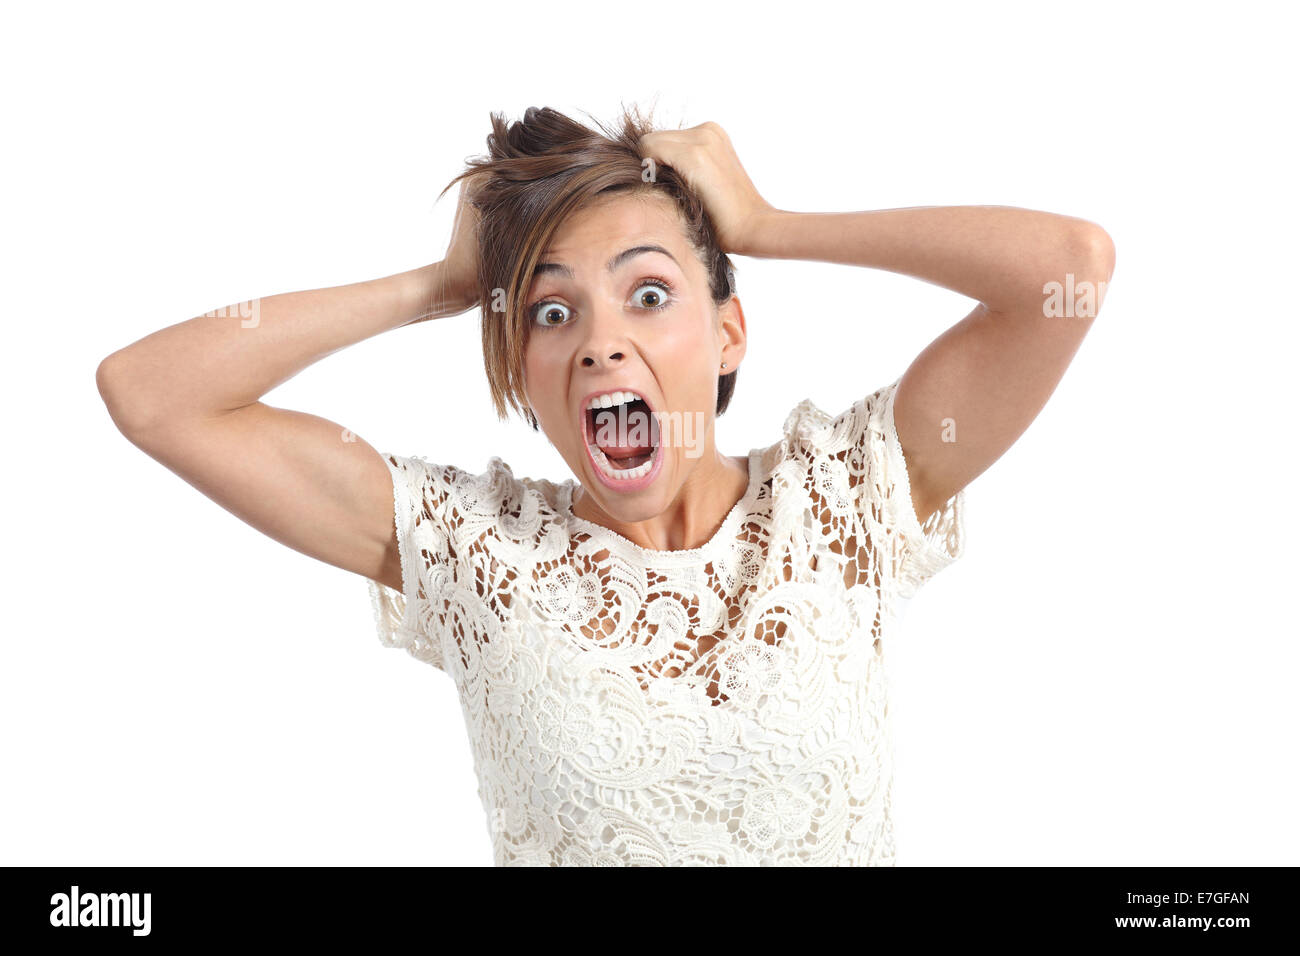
607	316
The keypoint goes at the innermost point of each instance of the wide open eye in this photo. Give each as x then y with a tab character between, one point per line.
651	295
656	290
549	315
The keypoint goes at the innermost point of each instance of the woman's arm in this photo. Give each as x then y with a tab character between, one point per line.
965	399
188	396
1039	279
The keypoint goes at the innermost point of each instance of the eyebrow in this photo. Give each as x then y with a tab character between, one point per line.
554	268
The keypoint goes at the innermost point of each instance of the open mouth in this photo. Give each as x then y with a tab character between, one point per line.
622	438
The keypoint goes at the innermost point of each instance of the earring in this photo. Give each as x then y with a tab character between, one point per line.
724	364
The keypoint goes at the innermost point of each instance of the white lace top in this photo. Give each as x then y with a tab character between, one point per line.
720	706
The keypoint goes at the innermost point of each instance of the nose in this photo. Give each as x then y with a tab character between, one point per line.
605	343
591	360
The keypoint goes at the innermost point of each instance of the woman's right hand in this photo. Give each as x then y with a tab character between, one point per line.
458	273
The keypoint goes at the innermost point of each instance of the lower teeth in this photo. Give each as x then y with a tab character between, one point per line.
621	473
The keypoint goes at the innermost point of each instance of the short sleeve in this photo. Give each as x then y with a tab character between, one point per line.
917	552
416	617
853	464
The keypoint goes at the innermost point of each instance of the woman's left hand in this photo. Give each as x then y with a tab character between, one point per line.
704	157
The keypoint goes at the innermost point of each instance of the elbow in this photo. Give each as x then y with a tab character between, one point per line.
126	405
1093	249
1085	262
1103	252
106	377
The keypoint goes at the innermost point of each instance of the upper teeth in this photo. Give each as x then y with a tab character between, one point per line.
610	399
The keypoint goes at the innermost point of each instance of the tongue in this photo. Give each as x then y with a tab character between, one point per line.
624	453
621	452
633	443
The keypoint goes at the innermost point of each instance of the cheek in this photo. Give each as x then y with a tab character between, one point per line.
534	372
685	354
543	388
683	340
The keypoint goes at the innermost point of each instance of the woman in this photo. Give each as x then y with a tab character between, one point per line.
676	658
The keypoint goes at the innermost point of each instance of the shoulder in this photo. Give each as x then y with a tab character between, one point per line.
810	432
461	496
856	450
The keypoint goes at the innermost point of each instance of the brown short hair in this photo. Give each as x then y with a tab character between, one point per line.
540	170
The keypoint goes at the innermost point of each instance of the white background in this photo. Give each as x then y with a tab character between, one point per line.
1106	677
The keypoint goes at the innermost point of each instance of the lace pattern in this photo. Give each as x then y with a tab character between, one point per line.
725	705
